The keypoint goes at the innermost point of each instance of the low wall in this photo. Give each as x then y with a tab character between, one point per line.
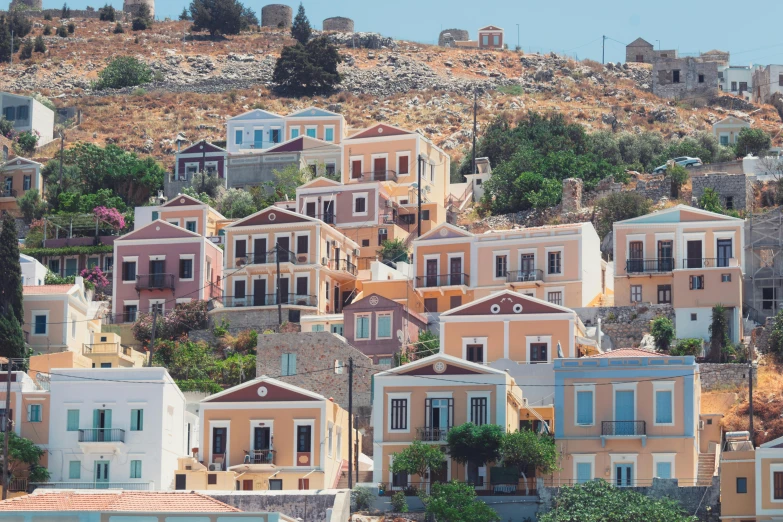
512	508
730	167
308	506
722	376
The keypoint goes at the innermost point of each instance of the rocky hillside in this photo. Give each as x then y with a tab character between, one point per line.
200	82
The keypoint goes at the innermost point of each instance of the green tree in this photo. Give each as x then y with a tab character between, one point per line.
719	333
119	29
476	445
710	201
47	30
11	282
300	29
66	12
143	18
393	250
40	45
62	31
752	141
24	457
428	344
107	13
457	502
184	15
71	27
687	347
26	52
662	330
27	142
5	43
599	501
206	183
776	335
123	71
526	448
235	203
619	206
308	69
417	459
678	175
248	19
12	337
219	17
286	182
31	206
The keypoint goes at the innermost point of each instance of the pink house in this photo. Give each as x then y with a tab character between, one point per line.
161	265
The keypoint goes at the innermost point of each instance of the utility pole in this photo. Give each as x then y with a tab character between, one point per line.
154	326
279	299
603	50
750	398
418	197
518	47
350	423
475	127
7	427
62	156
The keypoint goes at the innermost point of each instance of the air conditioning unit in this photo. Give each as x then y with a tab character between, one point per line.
324	261
356	252
389	203
701	425
214	467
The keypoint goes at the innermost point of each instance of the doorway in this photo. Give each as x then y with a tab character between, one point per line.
101	474
623	475
694	254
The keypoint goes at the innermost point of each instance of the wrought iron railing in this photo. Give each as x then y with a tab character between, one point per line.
270	257
326	217
521	276
643	266
412	489
429	434
705	262
232	301
378	175
265	456
102	435
339	264
624	428
9	193
17	484
155	282
430	281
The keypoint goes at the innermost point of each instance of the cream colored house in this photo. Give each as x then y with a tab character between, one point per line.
727	129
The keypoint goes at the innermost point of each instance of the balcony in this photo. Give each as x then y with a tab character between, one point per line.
339	264
9	193
258	145
271	257
649	266
377	175
434	281
524	276
326	217
624	430
391	219
102	435
106	349
265	456
246	300
155	282
706	262
432	434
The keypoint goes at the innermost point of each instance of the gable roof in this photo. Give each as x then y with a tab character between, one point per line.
454	366
182	200
48	289
506	300
732	119
774	443
301	143
673	215
452	231
313	112
379	130
320	181
490	28
256	114
19	161
382	303
208	147
639	42
264	217
128	501
158	229
274	391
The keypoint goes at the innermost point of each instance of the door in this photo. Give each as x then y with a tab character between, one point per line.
432	273
623	475
440	475
259	292
328	212
101	474
310	209
301	289
724	252
336	300
283	290
475	353
218	442
526	267
665	256
259	251
455	270
624	406
101	423
262	435
258	139
284	247
180	482
694	254
71	267
438	419
337	259
304	434
379	169
157	269
635	256
247	485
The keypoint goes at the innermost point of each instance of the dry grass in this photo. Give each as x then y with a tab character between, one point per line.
767	405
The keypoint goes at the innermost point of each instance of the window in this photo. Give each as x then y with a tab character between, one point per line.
384	326
725	278
554	265
431	304
274	484
54	266
402	164
365	242
310	132
294	132
339	367
733	86
362	326
664	401
155	215
584	407
640	58
330	432
400	480
73	328
729	203
129	271
303	438
22	112
328	134
137	420
501	264
701	78
663	470
331	168
190	225
555	297
636	293
584	471
425	215
73	420
475	353
383	235
34	413
318	327
478	410
485	41
26	183
742	484
135	469
676	76
238	136
724	140
105	365
74	469
697	282
664	294
289	364
356	169
274	135
399	414
302	244
455	301
313	169
778	480
539	352
40	327
10	112
496	40
359	206
186	269
129	313
780	80
384	361
694	317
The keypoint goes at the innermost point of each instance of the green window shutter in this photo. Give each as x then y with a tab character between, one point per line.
30	413
141	420
73	420
137	420
292	363
284	370
107	419
134	425
96	415
135	469
155	215
74	469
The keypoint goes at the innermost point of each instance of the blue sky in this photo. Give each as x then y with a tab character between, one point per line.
571	26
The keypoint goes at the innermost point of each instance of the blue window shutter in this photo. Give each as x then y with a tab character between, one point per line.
284	369
663	407
155	215
292	363
96	415
238	136
73	420
74	469
294	133
107	419
584	407
663	470
583	472
329	135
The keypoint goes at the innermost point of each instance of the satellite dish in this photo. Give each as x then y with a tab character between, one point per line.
399	335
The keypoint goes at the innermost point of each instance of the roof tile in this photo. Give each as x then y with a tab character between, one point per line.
47	289
129	501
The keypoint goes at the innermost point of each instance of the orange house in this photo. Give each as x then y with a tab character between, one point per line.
20	175
490	37
751	482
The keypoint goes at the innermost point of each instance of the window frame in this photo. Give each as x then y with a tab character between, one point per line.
664	458
356	319
35	408
398	396
744	483
34	315
488	410
495	257
128	261
773	470
636	293
555	291
135	469
584	387
378	316
664	386
192	259
549	252
68	418
327	128
696	282
359	196
398	157
287	372
78	469
584	458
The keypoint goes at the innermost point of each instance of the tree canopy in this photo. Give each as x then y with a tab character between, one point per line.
300	29
24	457
477	444
752	141
417	458
308	69
457	502
526	448
219	17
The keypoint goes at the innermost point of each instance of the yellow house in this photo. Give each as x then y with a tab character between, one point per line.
727	129
268	435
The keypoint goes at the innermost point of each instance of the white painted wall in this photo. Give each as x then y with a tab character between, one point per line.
591	264
33	272
159	444
700	328
754	165
142	216
43	122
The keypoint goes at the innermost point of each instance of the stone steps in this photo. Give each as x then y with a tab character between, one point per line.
706	469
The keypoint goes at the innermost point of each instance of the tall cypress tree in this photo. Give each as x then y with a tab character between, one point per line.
301	29
11	309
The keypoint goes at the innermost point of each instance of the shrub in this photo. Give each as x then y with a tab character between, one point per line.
719	334
62	31
140	24
219	17
662	331
110	216
710	201
71	28
752	141
183	318
118	29
362	498
618	207
40	45
123	71
776	336
48	17
107	13
27	141
143	19
26	52
95	276
399	503
47	30
393	250
687	347
457	502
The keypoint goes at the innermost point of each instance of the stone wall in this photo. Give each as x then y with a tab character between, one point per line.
338	23
454	35
572	195
723	376
33	4
702	500
132	6
760	335
738	187
259	320
655	189
307	506
276	15
684	77
625	325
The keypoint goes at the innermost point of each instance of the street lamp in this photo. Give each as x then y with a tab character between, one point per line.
518	37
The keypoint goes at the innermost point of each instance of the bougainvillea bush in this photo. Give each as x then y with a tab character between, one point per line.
174	324
95	276
110	216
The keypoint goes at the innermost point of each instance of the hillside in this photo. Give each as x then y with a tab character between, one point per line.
200	82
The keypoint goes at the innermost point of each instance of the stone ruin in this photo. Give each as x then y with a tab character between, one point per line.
572	195
30	4
132	6
339	24
735	190
447	37
277	15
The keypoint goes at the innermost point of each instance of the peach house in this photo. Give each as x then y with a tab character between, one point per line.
628	416
751	482
317	274
316	123
423	400
687	257
161	265
270	435
182	211
20	175
561	264
57	317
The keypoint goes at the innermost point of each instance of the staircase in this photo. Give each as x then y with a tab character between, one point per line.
364	476
706	469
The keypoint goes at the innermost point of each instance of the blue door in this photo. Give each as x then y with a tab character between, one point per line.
101	474
258	139
624	412
623	475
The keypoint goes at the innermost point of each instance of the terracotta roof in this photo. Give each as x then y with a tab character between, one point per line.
46	289
129	501
626	352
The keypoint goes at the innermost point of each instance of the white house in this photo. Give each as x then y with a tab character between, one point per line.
736	79
253	131
33	272
117	428
28	114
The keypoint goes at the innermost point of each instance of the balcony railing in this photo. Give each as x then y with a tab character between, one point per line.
258	145
326	217
705	262
270	258
623	428
106	348
9	193
266	456
102	435
431	281
135	486
391	219
377	175
155	282
522	276
412	489
339	264
644	266
16	484
432	434
231	301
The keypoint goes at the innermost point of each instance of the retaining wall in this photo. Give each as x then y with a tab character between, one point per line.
722	376
327	505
